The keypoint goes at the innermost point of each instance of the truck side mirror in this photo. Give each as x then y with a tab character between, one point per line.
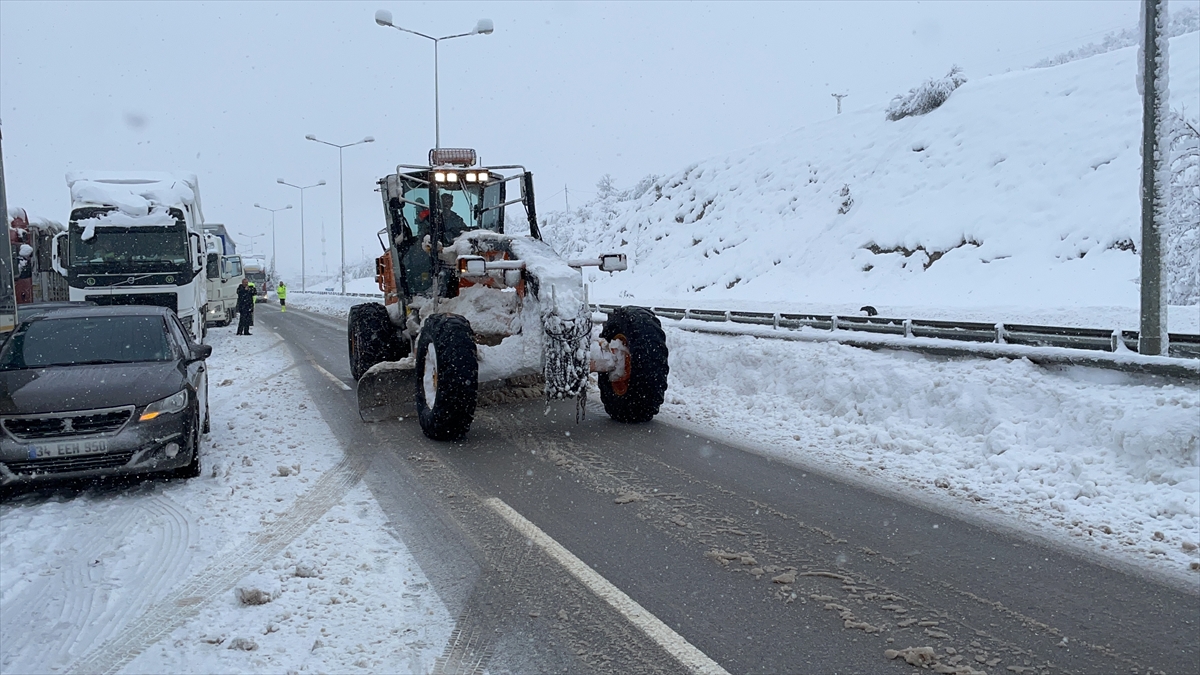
198	259
58	250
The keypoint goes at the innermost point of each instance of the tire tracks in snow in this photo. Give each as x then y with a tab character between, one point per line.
183	602
83	603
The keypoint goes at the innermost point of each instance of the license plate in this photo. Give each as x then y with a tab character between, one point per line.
67	449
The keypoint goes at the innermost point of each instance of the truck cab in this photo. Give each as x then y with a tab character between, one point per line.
136	239
224	273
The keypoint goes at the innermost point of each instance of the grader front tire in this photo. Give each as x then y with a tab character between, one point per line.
447	377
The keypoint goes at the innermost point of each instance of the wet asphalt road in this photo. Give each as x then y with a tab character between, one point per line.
765	567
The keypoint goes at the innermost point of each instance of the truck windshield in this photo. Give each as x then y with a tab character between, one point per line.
233	266
138	246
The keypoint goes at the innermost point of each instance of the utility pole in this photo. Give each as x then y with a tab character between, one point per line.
839	98
1152	337
8	298
302	188
567	197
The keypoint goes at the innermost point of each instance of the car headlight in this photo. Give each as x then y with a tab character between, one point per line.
168	405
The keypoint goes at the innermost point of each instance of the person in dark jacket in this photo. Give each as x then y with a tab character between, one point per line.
245	306
452	223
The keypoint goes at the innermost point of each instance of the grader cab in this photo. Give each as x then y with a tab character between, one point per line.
467	304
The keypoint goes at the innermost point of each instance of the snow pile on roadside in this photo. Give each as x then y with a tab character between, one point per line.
80	567
1021	190
331	305
1097	457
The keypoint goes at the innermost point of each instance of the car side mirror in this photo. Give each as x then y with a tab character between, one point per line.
200	352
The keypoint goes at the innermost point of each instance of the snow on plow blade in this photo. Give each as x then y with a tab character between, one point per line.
388	390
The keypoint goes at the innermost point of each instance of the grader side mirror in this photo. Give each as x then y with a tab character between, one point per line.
613	262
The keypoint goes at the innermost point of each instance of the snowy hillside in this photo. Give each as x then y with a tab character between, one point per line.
1020	191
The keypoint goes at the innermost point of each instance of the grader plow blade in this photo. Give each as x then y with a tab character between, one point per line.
388	391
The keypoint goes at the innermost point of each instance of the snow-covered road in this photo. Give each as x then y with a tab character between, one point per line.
1105	463
144	578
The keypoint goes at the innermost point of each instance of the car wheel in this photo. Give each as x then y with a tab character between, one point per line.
192	470
637	396
447	377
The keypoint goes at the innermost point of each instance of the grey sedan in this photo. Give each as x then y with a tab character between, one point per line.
101	391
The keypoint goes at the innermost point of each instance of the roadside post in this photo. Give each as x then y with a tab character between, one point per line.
8	297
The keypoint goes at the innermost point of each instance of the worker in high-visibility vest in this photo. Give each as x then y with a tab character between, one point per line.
282	293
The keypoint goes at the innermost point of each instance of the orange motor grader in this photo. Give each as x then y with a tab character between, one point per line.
468	305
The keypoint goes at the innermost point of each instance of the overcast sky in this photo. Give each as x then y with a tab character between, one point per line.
572	91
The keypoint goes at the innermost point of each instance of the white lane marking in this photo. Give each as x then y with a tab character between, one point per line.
332	378
691	658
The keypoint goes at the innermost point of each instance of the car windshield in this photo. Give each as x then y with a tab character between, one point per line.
86	340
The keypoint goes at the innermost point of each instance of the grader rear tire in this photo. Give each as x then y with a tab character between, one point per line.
636	397
447	377
372	338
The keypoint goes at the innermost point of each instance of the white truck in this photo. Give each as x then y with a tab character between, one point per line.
136	239
256	272
224	274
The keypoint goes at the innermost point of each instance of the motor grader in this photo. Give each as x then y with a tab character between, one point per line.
469	307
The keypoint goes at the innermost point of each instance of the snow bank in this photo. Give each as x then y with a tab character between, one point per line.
1097	457
331	305
1021	190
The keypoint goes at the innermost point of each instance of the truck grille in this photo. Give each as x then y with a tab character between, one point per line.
168	300
60	425
64	464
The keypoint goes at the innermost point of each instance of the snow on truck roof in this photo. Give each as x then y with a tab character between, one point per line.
140	198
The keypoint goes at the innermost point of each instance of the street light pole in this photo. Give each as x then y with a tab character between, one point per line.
342	196
482	27
285	208
251	237
301	188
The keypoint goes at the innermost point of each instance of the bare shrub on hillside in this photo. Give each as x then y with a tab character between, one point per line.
588	228
1181	238
1185	20
926	98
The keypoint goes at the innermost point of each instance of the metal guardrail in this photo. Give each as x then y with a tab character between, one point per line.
1181	345
987	340
344	295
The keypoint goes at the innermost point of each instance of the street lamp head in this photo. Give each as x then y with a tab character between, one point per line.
280	181
321	182
484	27
287	207
383	17
257	206
310	137
369	139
